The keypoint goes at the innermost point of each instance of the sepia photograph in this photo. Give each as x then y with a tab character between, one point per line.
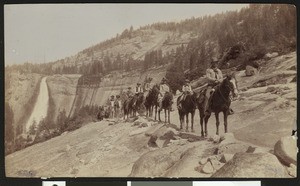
150	90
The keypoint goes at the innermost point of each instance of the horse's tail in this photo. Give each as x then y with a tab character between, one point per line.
167	100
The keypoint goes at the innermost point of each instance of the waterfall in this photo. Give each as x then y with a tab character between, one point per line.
41	106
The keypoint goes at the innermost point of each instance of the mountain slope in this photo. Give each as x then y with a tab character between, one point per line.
264	113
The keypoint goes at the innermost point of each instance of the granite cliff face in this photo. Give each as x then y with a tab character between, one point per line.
21	91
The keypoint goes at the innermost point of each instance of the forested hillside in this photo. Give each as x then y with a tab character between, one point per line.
255	30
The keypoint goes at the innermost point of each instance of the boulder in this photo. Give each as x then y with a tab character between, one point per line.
190	136
229	145
203	161
250	71
271	55
143	125
227	136
215	163
259	165
292	170
152	141
232	148
226	157
286	150
208	168
216	139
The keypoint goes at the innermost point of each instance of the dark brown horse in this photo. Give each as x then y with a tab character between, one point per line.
137	103
220	102
167	102
151	101
126	108
132	105
188	106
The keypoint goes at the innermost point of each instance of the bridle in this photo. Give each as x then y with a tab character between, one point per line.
228	88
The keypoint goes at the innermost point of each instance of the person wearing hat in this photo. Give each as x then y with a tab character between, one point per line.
214	77
138	88
163	88
129	92
112	100
186	89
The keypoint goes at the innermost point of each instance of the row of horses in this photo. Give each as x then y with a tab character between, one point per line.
220	102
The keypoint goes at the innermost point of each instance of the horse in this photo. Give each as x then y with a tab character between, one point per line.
139	103
167	102
220	102
188	105
126	107
151	101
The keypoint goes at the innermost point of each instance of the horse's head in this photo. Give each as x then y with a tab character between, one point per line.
230	84
155	88
140	97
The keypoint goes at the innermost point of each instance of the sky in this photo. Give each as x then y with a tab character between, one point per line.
40	33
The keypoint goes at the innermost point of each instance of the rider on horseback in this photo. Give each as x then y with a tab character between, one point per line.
214	77
129	93
163	89
138	89
186	90
148	85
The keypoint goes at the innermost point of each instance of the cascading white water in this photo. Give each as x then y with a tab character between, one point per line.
41	106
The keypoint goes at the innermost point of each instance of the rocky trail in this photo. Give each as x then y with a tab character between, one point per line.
258	143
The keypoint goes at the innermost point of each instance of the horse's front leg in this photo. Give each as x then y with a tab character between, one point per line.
225	120
201	114
155	112
206	117
217	122
192	121
165	115
187	122
169	116
159	115
181	121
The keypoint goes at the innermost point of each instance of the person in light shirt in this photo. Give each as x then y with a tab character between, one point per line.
214	77
163	89
186	90
138	89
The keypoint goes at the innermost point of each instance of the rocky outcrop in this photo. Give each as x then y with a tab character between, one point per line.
250	71
155	163
259	165
286	150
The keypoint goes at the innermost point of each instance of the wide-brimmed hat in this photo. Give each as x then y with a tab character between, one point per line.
214	61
